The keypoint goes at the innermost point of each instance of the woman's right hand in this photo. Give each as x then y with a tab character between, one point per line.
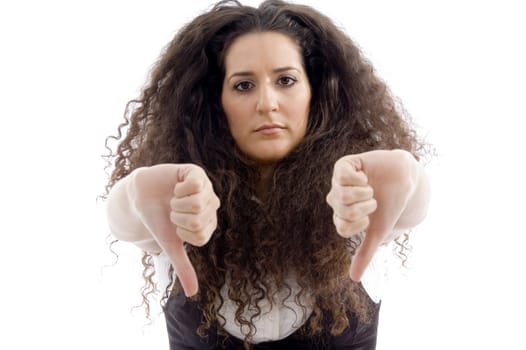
177	204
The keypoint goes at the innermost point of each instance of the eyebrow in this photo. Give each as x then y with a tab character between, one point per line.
249	73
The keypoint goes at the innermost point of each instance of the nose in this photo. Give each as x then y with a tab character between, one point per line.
267	100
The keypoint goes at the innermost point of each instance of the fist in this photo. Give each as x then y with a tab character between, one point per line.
370	192
351	197
177	204
193	208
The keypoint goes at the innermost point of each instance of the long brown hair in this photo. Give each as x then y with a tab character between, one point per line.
179	119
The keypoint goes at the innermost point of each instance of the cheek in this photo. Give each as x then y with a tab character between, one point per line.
237	114
302	113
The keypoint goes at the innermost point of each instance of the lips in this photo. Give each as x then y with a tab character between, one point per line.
269	127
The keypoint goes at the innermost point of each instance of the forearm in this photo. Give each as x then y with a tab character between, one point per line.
417	205
124	222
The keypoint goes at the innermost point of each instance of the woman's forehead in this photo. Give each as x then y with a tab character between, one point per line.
267	48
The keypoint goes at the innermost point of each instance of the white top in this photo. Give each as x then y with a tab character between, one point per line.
285	316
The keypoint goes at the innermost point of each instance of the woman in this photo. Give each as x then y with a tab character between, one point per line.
264	166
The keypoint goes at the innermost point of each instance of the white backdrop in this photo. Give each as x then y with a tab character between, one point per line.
68	68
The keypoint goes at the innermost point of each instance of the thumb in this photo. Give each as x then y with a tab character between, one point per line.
364	255
165	233
182	266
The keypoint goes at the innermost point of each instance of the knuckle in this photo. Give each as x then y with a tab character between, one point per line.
196	206
341	177
347	197
346	233
341	226
328	198
191	166
364	223
353	213
201	239
337	164
214	223
195	225
347	229
364	193
341	230
194	184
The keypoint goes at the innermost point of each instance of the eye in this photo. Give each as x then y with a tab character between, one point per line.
243	86
286	81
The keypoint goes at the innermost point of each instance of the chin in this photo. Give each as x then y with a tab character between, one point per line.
270	159
271	156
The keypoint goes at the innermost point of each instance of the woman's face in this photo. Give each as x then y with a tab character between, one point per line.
266	95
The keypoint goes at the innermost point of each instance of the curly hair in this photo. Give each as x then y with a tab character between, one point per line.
178	118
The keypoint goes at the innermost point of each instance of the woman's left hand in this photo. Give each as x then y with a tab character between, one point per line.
370	192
